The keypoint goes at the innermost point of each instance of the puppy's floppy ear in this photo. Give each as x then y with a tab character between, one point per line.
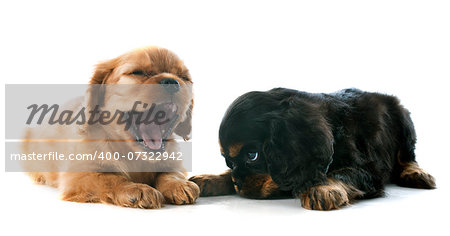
299	149
95	93
184	128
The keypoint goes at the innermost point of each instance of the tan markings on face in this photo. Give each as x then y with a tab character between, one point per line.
258	186
268	187
235	186
236	189
234	149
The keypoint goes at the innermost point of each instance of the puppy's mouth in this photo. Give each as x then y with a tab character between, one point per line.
152	127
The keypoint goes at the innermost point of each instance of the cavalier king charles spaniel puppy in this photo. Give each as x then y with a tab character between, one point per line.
150	75
326	149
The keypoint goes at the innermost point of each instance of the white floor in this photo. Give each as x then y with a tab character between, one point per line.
33	209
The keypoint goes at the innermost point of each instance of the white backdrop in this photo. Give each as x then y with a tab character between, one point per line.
232	47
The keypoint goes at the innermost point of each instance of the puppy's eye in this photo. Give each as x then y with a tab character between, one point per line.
185	78
138	73
252	156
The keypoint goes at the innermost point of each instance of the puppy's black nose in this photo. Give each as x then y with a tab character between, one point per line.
170	85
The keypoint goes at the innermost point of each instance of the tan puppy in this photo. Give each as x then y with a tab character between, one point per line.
123	182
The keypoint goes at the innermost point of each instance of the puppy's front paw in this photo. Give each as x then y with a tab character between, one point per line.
214	185
137	196
181	192
204	183
325	197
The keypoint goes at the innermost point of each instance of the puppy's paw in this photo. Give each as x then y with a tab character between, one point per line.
213	185
137	196
204	182
180	192
413	176
325	197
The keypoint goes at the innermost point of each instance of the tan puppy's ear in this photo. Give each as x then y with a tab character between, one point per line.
95	93
184	128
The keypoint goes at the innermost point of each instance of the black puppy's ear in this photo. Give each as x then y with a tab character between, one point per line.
299	149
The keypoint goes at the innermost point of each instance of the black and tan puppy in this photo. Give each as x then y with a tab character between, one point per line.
326	149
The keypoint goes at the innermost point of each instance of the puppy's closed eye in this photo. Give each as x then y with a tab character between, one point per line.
142	73
185	78
138	73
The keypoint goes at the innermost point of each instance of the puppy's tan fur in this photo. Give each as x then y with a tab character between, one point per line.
125	187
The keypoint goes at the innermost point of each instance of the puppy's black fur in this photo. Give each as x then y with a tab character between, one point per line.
325	148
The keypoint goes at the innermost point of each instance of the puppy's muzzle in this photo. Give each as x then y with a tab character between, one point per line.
170	85
237	183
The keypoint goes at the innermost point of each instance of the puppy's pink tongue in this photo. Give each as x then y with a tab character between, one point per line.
152	136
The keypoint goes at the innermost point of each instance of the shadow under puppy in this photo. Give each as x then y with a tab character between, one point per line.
326	149
152	75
